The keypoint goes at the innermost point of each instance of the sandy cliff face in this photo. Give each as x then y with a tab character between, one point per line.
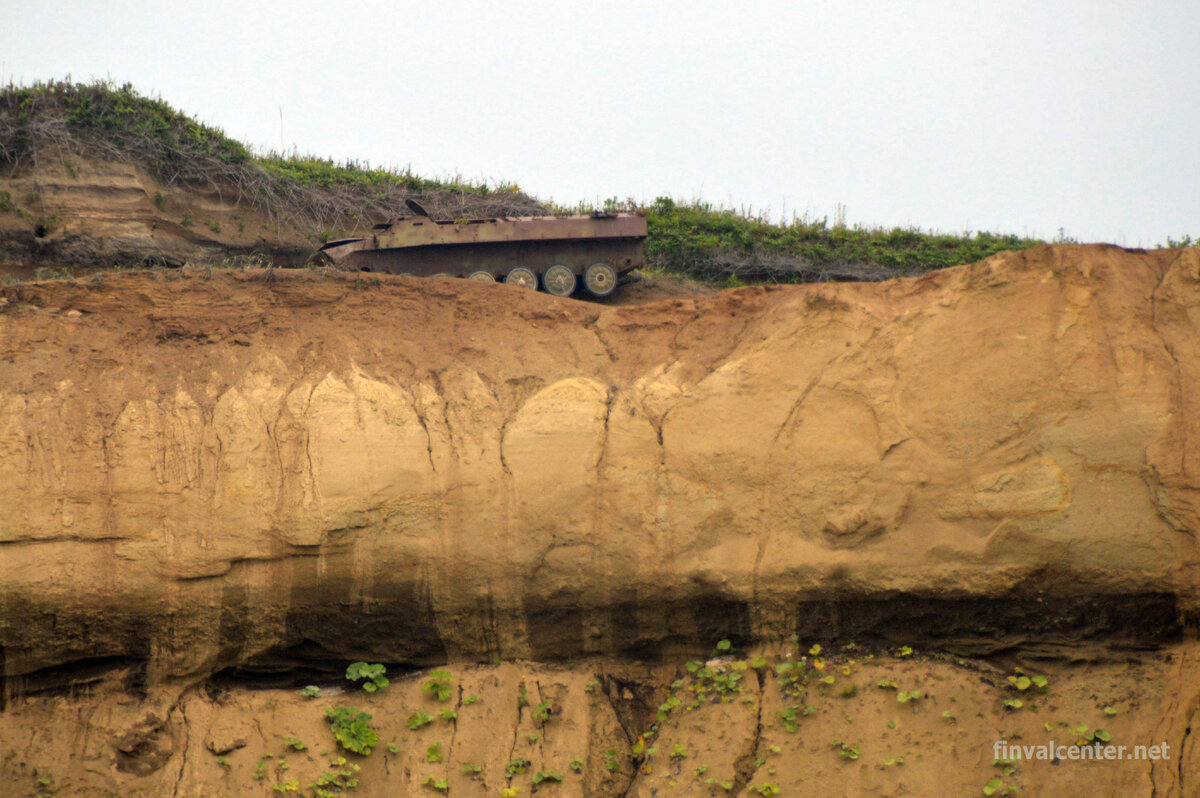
199	470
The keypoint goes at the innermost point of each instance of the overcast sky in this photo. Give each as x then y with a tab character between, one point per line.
1022	117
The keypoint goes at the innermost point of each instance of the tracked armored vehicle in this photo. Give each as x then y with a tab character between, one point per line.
557	252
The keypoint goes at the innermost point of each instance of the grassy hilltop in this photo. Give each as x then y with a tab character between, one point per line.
104	121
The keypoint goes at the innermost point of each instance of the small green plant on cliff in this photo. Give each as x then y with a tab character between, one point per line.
664	709
372	676
541	713
766	788
1019	681
330	785
295	743
612	760
351	729
846	750
1085	736
723	680
418	719
437	785
995	786
639	750
438	685
434	753
787	717
576	765
793	676
515	767
311	691
546	775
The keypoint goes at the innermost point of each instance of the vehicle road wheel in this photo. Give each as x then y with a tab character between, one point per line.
559	280
482	275
522	277
600	279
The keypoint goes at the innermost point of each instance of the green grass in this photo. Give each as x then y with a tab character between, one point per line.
312	171
109	115
718	245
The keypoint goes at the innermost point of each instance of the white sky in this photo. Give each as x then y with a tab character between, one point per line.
1020	117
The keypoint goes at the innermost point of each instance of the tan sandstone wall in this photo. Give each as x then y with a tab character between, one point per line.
198	468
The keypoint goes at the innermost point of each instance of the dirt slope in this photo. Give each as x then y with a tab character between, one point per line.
85	213
64	210
524	726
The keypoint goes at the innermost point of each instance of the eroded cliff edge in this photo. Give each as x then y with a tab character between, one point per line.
202	469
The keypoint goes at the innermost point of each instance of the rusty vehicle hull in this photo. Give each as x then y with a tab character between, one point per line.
559	253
